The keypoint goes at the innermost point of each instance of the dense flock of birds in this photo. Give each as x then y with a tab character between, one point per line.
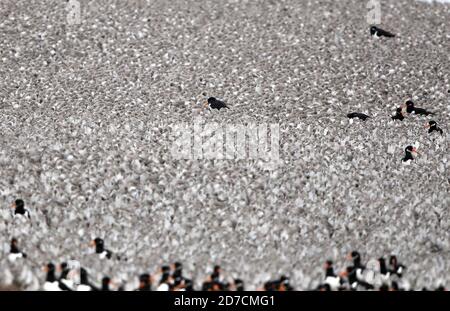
373	275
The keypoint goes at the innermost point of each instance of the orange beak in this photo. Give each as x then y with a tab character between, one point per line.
92	243
415	150
205	104
343	274
427	125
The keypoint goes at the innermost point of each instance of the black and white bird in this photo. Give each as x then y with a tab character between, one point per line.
99	245
398	115
65	278
20	210
409	152
85	285
355	283
378	32
51	283
145	282
410	108
364	276
432	127
106	282
384	273
358	115
214	103
333	280
395	267
14	253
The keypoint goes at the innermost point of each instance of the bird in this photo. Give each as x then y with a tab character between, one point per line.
351	273
214	103
358	115
15	253
145	282
398	115
177	268
85	285
19	209
106	281
409	151
99	245
51	283
238	285
284	284
384	272
331	278
355	256
165	283
432	127
65	276
378	32
395	267
410	108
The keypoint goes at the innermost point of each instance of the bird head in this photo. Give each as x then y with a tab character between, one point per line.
431	124
410	149
409	104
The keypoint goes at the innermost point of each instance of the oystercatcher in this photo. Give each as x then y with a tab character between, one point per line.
19	209
99	245
398	115
331	278
410	108
15	253
358	115
51	283
432	127
409	151
378	32
214	103
145	282
395	267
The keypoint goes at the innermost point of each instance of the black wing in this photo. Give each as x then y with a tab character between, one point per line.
384	33
422	111
358	115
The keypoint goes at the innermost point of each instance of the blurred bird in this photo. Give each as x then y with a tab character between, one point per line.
410	108
85	285
145	283
214	103
284	284
395	267
355	256
432	127
19	209
65	276
384	272
106	281
398	115
409	152
165	284
99	245
358	115
15	253
351	273
238	285
331	278
51	283
378	32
